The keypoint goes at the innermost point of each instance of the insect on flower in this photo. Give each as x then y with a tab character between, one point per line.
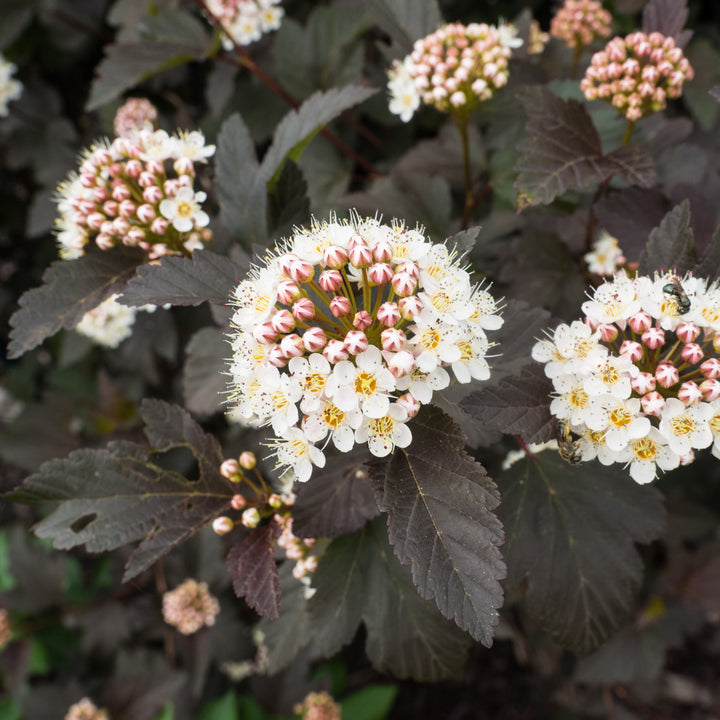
567	445
675	289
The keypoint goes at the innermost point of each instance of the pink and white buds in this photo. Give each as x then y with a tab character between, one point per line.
335	351
238	502
247	460
292	346
404	284
393	339
690	393
631	348
222	525
288	292
314	339
335	257
380	274
362	320
401	363
283	322
303	309
410	307
361	256
388	314
355	342
667	374
230	469
330	281
250	518
653	338
340	306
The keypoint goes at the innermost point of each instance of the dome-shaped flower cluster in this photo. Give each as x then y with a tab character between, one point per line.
85	709
245	21
136	191
454	69
10	89
606	256
637	74
133	115
346	330
580	22
637	381
190	607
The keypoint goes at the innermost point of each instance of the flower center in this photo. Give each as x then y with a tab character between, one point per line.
333	416
466	352
620	417
381	426
184	209
261	304
578	397
682	425
430	339
365	384
441	302
715	424
644	449
609	374
314	383
280	401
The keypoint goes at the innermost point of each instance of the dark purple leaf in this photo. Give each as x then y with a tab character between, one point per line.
204	381
667	17
634	164
671	243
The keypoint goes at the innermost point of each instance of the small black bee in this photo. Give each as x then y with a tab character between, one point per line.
675	289
567	445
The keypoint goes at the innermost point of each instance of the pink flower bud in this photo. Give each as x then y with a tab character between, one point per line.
362	320
95	220
283	321
401	363
127	208
667	374
110	208
692	353
340	306
238	502
146	213
248	461
276	357
335	351
314	339
120	226
288	292
87	181
711	368
410	307
136	235
687	332
104	242
100	195
334	256
689	393
152	194
133	168
292	346
183	166
361	256
355	341
410	268
356	241
653	337
404	284
155	166
222	525
710	390
303	309
634	350
330	280
608	332
230	470
275	501
382	252
408	403
301	271
284	263
653	403
250	518
380	274
642	383
264	333
392	339
388	314
640	323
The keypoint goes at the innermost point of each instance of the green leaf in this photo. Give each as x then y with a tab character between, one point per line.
7	580
169	38
225	708
137	500
371	703
671	244
205	384
203	277
241	189
359	579
406	21
440	506
70	288
299	126
570	534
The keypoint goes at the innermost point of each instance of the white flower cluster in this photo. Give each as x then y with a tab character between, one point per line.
346	330
245	21
453	69
110	322
10	89
637	381
606	257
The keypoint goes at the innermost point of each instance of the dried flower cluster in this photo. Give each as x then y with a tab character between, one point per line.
10	89
190	607
637	74
580	22
136	191
454	69
245	21
638	380
85	709
346	330
133	115
606	257
318	706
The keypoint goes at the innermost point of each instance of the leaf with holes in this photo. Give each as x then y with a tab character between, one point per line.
109	498
569	548
440	506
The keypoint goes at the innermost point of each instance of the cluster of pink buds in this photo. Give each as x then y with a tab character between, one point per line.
136	191
346	330
637	74
133	115
85	709
318	706
638	382
580	22
298	549
190	607
454	69
245	21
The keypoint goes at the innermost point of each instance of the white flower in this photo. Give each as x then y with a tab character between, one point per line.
329	418
277	398
623	423
185	209
293	450
686	427
508	35
311	374
606	256
10	89
647	453
422	385
384	433
191	145
109	323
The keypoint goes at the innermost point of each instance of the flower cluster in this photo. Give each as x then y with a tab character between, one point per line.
190	607
637	74
537	39
454	69
606	257
298	549
10	89
110	322
136	191
346	331
245	21
318	706
638	380
580	22
85	709
134	115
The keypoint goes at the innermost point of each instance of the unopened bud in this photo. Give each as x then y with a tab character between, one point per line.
250	518
223	525
275	501
248	460
231	470
238	502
